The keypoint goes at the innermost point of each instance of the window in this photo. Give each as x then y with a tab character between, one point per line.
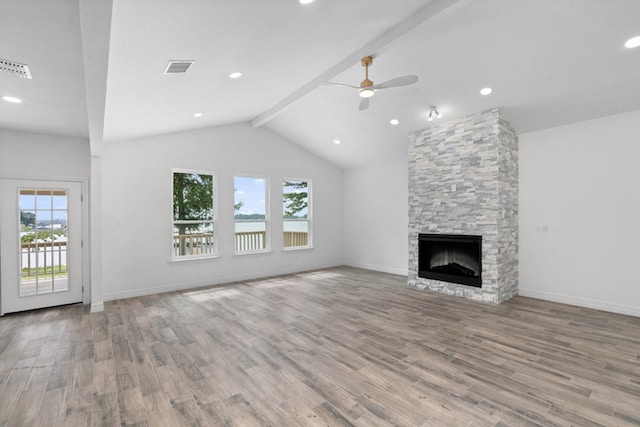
193	215
296	217
250	203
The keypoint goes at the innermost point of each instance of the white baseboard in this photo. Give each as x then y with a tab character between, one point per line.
96	308
581	302
383	269
151	290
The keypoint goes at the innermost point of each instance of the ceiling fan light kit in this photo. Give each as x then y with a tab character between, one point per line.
366	93
367	88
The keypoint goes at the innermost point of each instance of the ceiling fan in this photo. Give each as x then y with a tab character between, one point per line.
367	89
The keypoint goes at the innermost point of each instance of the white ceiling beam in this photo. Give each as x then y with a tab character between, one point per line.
428	12
95	27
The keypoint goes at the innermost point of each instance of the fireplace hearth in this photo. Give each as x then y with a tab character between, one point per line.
450	258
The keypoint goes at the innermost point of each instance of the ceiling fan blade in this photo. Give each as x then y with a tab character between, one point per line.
364	104
341	84
398	81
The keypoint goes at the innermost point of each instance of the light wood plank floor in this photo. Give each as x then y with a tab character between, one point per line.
335	347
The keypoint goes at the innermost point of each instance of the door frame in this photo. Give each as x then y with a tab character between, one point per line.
84	228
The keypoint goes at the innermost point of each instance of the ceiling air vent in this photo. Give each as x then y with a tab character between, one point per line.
178	67
15	69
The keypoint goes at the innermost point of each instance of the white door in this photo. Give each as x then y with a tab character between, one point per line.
40	244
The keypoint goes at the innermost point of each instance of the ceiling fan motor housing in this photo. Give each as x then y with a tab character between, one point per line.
366	83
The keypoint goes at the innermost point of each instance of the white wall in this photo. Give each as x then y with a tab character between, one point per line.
26	155
34	155
137	207
376	216
582	182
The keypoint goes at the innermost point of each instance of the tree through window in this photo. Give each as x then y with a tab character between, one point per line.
193	215
296	218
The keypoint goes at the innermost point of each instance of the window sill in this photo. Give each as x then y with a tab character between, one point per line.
266	251
296	248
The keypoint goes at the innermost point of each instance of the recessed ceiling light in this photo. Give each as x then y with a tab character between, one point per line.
12	99
198	115
336	141
486	91
394	122
632	42
235	75
306	1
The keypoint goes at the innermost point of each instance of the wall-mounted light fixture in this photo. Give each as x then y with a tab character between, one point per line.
433	113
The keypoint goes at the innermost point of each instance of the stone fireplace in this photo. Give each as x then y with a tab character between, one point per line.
463	180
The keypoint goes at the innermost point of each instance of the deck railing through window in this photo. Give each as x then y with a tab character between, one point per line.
193	244
43	257
295	238
245	241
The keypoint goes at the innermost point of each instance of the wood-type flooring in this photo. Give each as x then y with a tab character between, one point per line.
334	347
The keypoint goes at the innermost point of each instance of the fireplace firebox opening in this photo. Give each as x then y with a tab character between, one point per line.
450	258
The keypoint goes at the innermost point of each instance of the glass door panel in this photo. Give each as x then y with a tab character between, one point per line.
43	241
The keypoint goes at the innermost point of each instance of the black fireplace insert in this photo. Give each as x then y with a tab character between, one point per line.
450	258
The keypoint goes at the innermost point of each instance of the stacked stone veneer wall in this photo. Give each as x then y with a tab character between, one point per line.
463	179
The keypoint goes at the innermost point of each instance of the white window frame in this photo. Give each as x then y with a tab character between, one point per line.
309	244
267	220
214	221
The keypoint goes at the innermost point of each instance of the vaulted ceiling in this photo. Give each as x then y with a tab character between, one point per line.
97	66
